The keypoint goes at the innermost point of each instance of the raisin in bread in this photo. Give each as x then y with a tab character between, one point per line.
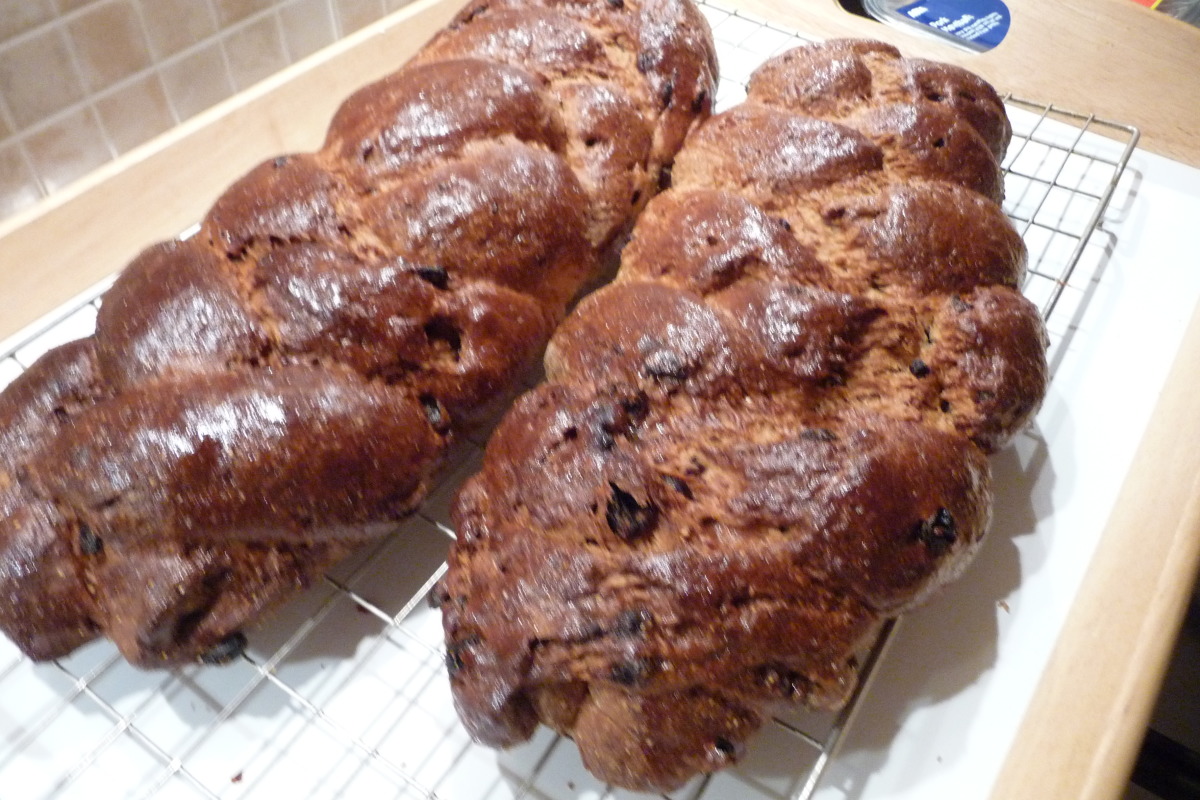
266	396
767	436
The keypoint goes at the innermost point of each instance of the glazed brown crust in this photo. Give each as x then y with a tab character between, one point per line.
266	396
768	435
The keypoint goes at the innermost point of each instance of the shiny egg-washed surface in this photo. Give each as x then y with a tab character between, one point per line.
767	436
264	397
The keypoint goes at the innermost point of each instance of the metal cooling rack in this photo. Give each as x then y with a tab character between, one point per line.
343	693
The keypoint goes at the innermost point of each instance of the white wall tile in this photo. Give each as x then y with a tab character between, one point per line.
68	67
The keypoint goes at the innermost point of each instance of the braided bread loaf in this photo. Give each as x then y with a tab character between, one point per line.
264	397
768	435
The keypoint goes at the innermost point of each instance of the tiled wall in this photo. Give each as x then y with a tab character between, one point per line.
82	81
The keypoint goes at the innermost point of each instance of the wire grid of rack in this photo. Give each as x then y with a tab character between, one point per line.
343	693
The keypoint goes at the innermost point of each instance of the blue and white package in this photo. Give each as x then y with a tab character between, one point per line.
982	23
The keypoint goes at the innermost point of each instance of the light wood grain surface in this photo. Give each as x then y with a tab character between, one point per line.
1085	724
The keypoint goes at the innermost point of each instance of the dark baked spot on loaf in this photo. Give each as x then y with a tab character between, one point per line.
457	653
439	420
225	651
611	417
435	276
632	622
632	673
818	434
89	543
667	93
725	749
663	363
664	178
937	532
636	405
438	596
626	517
680	486
778	681
444	336
468	14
